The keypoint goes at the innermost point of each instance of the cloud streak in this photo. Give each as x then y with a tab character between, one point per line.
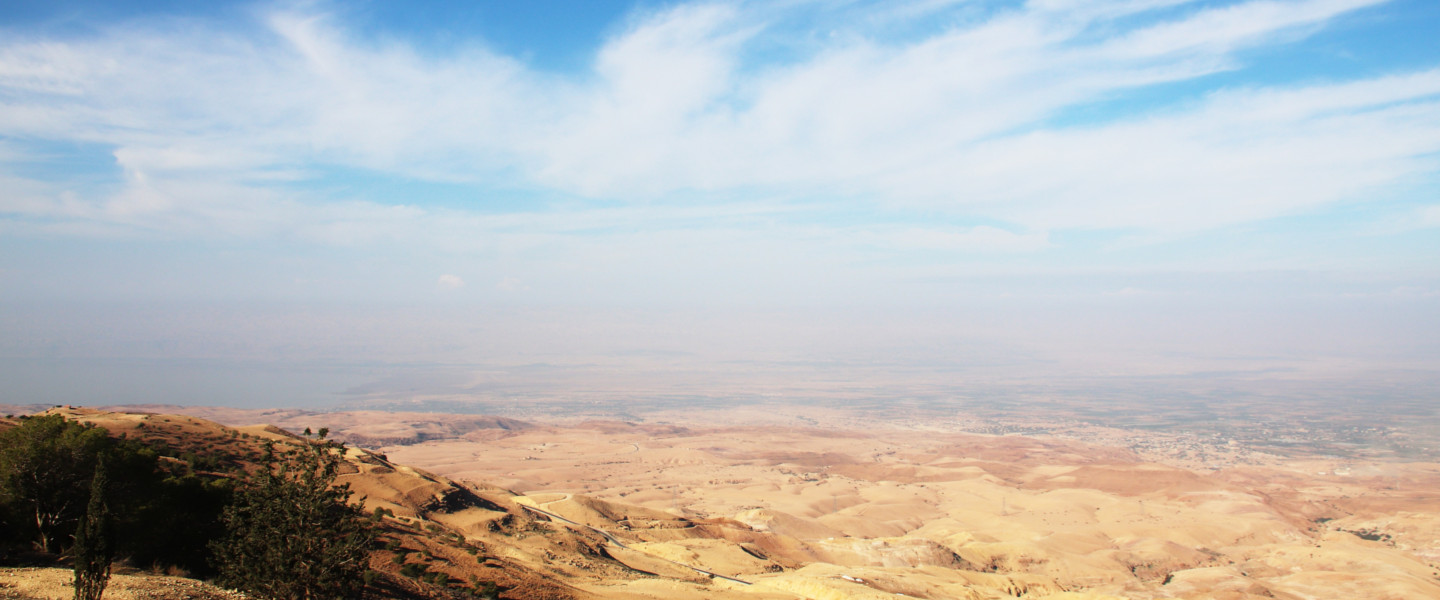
217	130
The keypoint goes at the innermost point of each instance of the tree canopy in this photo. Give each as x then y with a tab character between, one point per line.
46	464
292	533
279	529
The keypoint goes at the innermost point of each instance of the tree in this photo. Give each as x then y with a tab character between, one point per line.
94	544
291	533
176	523
161	515
46	464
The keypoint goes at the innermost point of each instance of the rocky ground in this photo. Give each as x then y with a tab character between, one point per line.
58	584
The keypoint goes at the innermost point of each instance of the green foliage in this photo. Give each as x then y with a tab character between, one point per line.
481	588
46	464
94	547
413	570
177	522
201	462
291	534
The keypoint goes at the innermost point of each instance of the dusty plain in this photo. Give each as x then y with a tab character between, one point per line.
939	513
781	501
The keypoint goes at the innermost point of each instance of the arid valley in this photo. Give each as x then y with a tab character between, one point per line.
796	502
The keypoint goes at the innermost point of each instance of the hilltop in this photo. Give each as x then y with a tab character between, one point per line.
429	526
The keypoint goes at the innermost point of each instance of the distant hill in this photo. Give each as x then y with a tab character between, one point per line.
366	428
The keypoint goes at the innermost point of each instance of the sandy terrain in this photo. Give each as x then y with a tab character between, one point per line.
58	584
936	514
608	509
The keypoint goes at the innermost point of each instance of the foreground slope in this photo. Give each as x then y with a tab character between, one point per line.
477	537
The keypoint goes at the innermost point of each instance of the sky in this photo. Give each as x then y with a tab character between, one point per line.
1080	188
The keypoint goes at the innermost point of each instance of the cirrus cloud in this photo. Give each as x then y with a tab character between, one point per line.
228	130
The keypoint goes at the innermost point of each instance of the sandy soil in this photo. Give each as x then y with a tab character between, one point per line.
624	510
58	584
939	513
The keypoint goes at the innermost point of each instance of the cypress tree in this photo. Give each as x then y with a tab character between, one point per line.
94	547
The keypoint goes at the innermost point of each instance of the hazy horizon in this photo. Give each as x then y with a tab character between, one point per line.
354	357
321	204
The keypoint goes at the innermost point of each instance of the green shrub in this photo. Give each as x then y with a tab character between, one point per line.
291	534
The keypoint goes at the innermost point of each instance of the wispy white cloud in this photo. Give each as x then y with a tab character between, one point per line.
1239	157
1070	181
449	282
1430	216
1215	31
981	238
209	124
511	284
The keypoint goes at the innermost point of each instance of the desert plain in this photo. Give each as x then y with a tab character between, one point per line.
802	502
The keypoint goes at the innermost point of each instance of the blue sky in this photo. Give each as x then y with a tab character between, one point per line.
1072	157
